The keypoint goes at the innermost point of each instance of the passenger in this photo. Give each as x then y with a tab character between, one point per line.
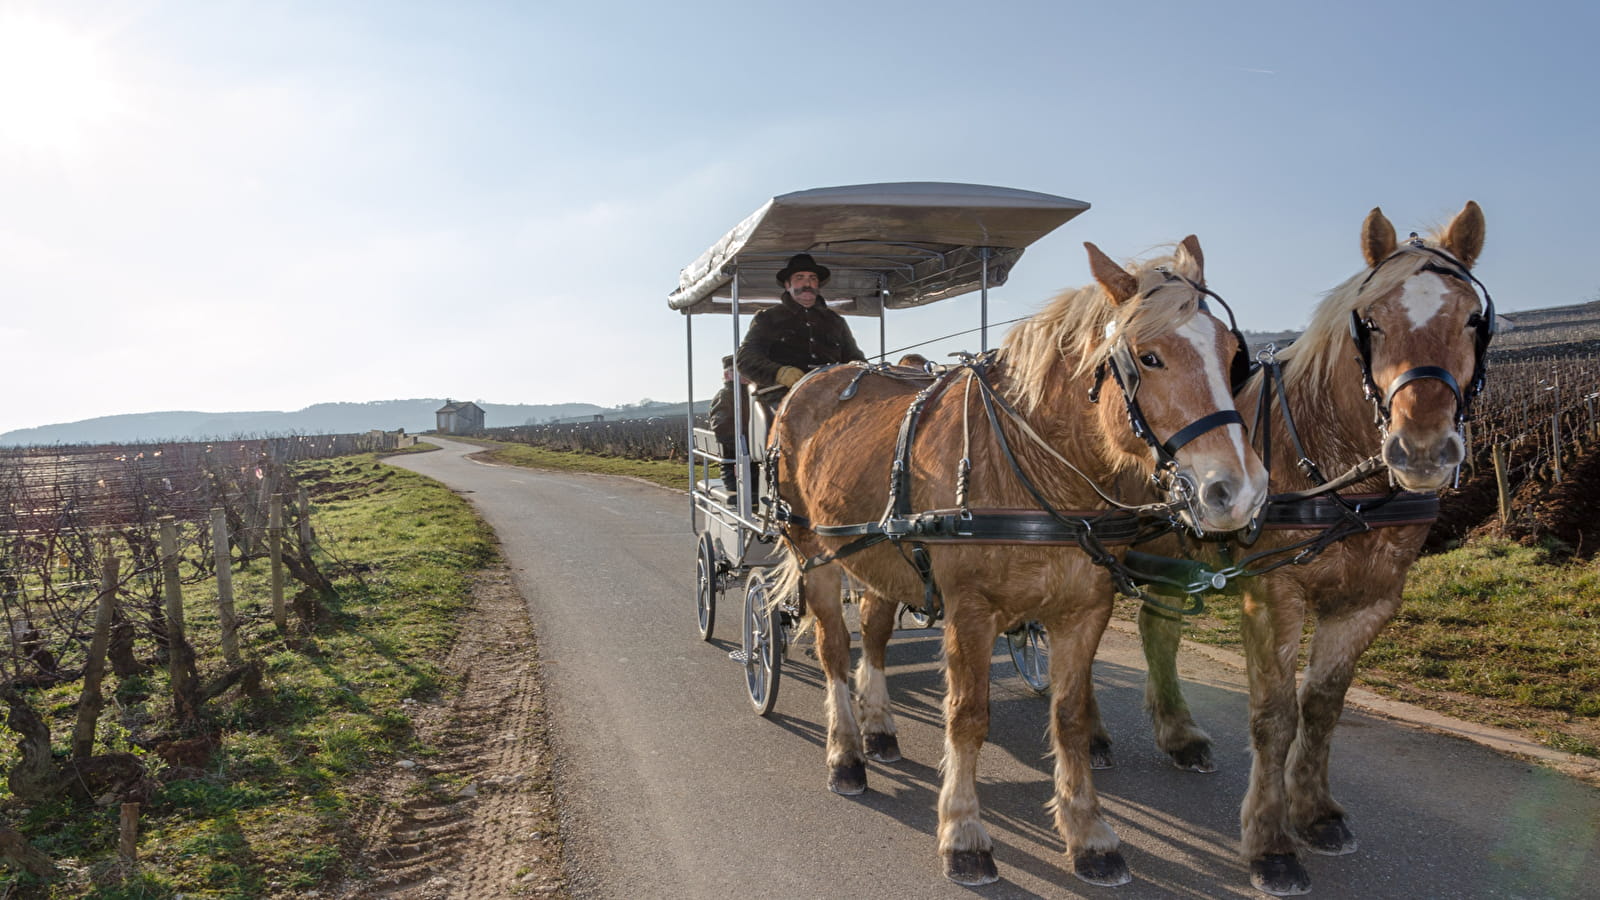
721	422
801	333
914	361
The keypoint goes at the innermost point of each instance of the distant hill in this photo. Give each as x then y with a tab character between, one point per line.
322	418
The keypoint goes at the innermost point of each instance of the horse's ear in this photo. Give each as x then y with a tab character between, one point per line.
1191	246
1119	284
1464	237
1377	237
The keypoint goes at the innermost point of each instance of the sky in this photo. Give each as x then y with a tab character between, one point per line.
260	206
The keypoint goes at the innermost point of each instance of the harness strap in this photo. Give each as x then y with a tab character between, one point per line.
900	471
1438	373
1219	419
1361	471
1028	526
932	600
850	549
1302	460
1377	510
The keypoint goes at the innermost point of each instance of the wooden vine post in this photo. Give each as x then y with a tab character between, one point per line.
280	616
224	564
304	498
92	699
1555	445
1501	483
128	835
180	657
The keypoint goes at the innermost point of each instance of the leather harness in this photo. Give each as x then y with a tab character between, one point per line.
1321	508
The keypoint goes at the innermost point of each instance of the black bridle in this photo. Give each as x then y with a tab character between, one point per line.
1125	372
1362	327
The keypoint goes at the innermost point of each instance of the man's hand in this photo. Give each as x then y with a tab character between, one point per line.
788	375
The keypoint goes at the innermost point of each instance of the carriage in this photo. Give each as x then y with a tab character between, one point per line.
1323	536
890	247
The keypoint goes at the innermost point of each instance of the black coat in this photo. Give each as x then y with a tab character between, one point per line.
721	417
793	335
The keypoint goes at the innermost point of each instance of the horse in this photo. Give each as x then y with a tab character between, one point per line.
1009	442
1380	370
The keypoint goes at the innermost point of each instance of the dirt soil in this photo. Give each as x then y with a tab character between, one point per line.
475	816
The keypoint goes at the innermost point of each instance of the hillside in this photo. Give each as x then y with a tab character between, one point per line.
323	418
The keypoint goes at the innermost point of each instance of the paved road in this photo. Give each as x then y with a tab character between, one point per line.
673	788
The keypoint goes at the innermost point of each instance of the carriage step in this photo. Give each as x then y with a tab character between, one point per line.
740	657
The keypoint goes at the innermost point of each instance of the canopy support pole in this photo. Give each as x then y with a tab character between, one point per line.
741	440
688	416
983	306
883	313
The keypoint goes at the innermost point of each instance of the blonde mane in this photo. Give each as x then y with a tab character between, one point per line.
1313	362
1072	326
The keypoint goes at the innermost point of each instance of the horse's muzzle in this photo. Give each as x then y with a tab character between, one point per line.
1424	464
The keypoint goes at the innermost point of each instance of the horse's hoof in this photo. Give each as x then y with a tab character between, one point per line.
848	779
1104	869
1280	874
883	747
1329	837
970	867
1100	753
1195	757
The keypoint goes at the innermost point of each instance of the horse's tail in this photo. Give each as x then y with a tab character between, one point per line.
789	575
788	580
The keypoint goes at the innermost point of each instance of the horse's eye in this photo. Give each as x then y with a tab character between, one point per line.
1373	327
1150	361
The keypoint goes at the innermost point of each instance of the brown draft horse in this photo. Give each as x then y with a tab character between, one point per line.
834	461
1415	309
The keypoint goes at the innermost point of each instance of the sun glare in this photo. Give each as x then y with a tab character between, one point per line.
54	90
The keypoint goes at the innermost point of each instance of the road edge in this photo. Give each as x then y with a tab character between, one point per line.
1501	740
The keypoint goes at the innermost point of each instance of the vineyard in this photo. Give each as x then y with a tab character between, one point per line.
653	438
98	546
1539	412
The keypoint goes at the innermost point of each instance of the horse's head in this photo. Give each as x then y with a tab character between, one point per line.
1171	360
1420	334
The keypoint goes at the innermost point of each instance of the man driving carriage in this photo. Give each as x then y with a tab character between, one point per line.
799	334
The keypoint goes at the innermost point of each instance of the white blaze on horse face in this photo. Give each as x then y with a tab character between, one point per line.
1423	297
1199	332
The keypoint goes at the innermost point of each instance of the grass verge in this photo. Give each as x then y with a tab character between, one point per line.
667	473
266	814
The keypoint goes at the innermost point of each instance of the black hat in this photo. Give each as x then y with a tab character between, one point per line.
727	362
802	262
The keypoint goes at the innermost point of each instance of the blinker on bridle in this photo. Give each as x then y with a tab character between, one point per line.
1361	329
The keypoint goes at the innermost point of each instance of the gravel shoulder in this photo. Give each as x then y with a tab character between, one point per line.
472	814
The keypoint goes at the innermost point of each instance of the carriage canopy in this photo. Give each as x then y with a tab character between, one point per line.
889	246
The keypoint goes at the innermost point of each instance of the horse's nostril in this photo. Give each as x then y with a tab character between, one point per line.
1451	453
1217	495
1394	452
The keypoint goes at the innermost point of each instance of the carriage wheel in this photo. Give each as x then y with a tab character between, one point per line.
915	616
707	586
763	650
1030	651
